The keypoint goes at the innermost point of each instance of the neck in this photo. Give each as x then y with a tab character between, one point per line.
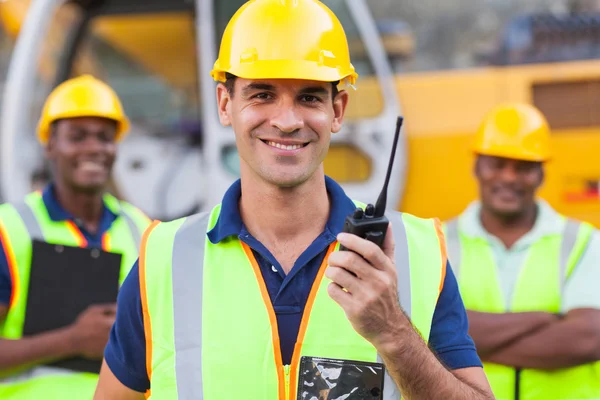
86	206
509	229
277	215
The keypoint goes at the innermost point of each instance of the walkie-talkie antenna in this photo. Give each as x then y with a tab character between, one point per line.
382	199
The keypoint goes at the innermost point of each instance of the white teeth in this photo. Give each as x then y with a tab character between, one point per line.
283	146
91	166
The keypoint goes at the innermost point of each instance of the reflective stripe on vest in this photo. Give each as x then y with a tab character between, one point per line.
19	225
540	287
190	331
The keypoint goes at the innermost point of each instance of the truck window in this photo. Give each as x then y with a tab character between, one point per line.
150	61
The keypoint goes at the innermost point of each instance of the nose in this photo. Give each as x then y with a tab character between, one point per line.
287	119
94	145
509	173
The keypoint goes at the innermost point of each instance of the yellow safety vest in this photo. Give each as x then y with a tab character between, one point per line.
211	331
19	225
550	262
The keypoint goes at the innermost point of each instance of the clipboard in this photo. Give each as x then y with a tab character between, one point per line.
63	282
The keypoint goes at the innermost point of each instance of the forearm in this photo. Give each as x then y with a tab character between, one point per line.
491	331
567	343
38	349
420	376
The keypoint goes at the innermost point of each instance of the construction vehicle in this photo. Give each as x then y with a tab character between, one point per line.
178	159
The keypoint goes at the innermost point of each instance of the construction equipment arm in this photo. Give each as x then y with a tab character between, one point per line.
492	331
110	388
571	341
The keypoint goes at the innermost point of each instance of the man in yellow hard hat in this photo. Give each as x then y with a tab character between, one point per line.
81	123
528	275
252	300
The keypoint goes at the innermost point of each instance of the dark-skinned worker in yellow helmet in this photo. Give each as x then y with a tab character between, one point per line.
55	314
528	275
253	300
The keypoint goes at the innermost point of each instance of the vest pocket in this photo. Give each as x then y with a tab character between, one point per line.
328	378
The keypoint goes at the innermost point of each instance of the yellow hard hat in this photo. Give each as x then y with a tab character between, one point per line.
84	96
517	130
287	39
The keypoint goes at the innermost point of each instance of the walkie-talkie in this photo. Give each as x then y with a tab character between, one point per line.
370	223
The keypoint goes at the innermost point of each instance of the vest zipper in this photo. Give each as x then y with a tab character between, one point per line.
286	371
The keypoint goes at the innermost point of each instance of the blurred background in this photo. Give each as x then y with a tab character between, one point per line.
442	65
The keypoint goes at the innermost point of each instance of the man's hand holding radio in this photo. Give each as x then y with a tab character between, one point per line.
365	286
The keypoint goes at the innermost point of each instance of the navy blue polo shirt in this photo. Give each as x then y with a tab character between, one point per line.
126	351
57	213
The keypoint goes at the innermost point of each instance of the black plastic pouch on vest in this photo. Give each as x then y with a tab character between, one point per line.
328	379
370	223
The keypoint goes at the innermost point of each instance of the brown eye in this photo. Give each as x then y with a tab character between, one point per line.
307	98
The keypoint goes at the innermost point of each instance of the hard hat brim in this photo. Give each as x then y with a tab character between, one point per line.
286	69
513	154
44	130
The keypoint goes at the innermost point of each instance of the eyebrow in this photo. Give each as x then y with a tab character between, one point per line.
314	90
265	86
257	86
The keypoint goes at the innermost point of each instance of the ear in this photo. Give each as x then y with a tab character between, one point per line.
477	167
50	146
542	176
340	102
223	104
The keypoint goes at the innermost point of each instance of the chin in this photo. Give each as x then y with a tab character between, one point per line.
508	211
287	180
90	187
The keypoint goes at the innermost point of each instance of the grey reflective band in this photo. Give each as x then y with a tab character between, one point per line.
35	372
31	223
135	232
187	266
453	246
569	238
402	261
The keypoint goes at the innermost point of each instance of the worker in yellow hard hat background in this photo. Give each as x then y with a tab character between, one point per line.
528	275
55	299
253	300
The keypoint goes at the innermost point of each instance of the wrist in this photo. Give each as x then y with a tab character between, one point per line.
550	318
397	337
70	343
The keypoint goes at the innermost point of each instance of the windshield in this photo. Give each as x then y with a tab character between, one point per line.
150	61
441	35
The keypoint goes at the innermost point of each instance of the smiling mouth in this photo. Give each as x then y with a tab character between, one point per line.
91	166
285	146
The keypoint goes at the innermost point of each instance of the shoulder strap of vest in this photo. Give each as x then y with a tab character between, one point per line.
401	260
453	245
193	230
120	208
25	210
575	238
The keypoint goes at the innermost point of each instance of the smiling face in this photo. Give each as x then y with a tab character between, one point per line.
282	127
83	152
507	187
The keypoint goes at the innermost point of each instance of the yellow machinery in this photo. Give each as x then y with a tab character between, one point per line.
440	67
